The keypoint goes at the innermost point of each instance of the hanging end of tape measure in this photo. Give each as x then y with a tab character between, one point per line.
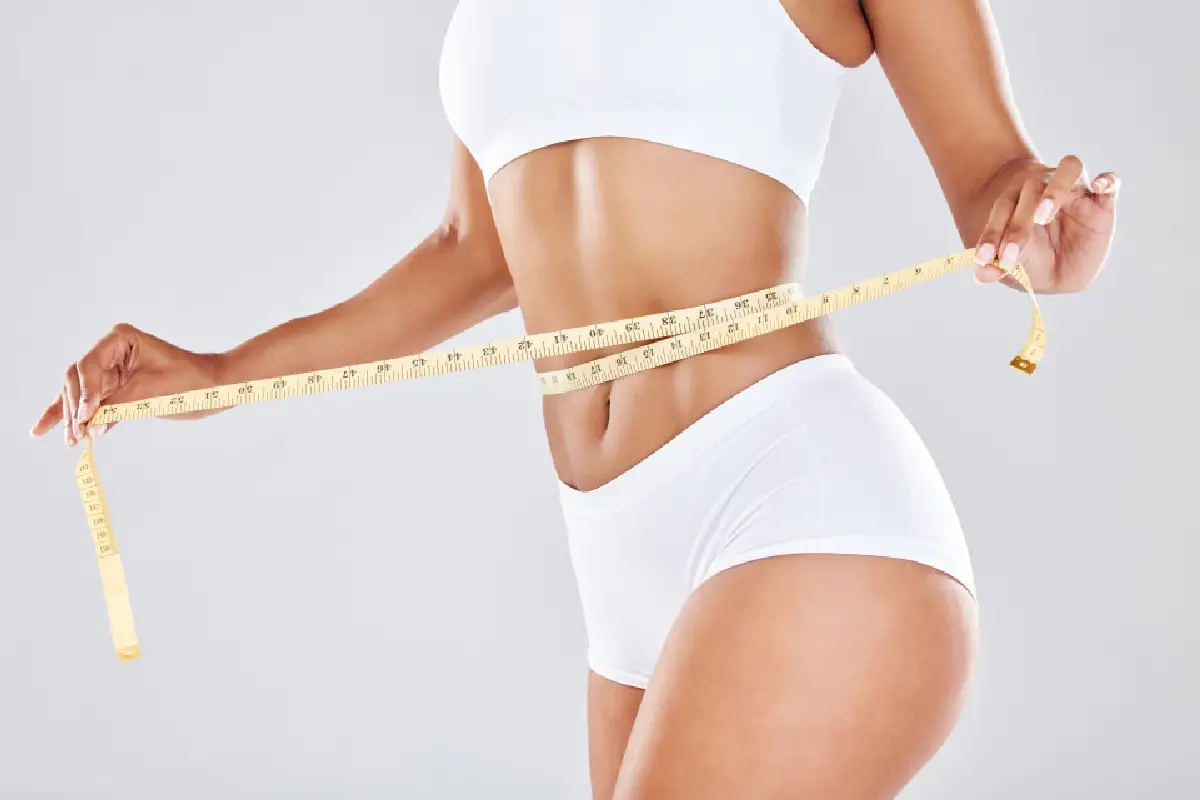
129	653
1023	364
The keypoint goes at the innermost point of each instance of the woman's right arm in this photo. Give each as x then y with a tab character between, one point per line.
454	279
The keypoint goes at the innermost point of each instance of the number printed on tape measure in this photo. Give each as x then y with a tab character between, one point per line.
681	334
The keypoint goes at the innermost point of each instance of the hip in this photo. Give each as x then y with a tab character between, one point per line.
812	458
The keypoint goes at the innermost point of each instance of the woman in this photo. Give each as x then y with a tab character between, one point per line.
776	589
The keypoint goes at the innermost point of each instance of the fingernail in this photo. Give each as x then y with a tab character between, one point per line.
1008	256
96	431
1042	215
1100	184
985	254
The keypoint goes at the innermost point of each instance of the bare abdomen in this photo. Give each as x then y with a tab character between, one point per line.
605	229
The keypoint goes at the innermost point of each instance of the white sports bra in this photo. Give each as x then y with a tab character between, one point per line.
731	79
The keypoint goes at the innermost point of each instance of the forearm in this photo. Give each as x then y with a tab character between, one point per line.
441	288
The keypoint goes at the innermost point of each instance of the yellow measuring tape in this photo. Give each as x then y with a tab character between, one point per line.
681	334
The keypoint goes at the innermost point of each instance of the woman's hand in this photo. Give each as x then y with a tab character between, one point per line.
126	364
1055	223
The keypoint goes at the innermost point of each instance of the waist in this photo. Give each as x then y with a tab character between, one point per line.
604	229
803	384
597	434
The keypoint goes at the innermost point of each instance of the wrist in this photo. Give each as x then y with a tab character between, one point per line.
222	368
972	208
1001	178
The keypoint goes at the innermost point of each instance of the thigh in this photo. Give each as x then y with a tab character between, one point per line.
831	676
612	708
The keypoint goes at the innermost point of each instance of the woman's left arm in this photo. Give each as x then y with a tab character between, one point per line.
945	64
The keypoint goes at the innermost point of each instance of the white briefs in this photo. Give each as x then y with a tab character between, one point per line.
813	458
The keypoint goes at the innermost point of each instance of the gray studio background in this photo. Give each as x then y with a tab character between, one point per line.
377	601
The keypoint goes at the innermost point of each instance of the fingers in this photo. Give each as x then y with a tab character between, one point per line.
66	417
49	418
989	240
1020	224
1033	199
100	368
70	395
88	383
1058	190
1105	183
98	429
1104	188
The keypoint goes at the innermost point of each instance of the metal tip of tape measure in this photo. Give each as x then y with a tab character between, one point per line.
1024	365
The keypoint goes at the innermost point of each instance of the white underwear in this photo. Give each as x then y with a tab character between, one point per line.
813	458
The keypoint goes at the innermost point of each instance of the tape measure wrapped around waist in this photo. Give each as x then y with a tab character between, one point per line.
680	334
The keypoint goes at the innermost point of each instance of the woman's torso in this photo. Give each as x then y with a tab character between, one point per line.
605	225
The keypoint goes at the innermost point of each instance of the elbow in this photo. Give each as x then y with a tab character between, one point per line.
498	293
481	255
506	298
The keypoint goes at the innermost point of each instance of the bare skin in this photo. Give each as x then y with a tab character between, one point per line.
855	668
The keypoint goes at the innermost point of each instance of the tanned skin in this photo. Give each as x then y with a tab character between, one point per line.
855	668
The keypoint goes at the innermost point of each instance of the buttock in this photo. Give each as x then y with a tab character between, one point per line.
813	458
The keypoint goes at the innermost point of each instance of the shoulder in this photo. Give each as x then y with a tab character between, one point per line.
837	28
